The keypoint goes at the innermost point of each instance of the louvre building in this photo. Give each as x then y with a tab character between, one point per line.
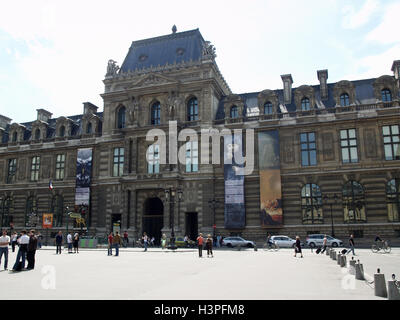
326	156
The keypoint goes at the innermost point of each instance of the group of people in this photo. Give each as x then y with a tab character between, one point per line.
72	241
209	245
27	243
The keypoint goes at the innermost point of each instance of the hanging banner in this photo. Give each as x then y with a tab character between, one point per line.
83	180
271	213
235	215
47	222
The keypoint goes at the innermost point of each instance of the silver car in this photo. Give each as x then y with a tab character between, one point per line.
237	241
283	241
317	240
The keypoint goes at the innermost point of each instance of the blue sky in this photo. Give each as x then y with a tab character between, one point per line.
53	54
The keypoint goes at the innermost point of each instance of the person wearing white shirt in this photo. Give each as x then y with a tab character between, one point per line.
69	241
23	249
4	242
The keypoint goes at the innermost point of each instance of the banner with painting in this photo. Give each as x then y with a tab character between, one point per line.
82	186
271	214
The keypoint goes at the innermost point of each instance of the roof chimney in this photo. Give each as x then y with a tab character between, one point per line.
4	121
287	88
323	86
89	107
43	115
396	71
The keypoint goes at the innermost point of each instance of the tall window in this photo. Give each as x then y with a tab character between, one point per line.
393	200
37	134
353	202
193	110
12	168
348	143
344	100
268	108
118	162
156	113
311	204
60	166
308	149
234	112
15	136
62	131
391	140
305	104
57	207
121	118
6	212
30	209
386	95
192	156
153	159
35	167
89	128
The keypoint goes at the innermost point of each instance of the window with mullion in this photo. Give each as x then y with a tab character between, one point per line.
344	100
35	167
348	144
156	113
118	162
391	141
192	156
234	112
393	200
386	95
153	159
305	104
268	108
31	208
308	149
12	168
60	166
311	204
193	110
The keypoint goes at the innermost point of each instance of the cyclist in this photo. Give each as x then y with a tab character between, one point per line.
269	242
377	238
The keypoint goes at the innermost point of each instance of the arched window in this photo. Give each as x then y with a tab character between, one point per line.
234	112
393	199
6	212
62	131
193	110
121	117
37	134
30	211
386	95
311	204
344	100
305	104
156	113
57	205
89	128
15	136
268	108
353	202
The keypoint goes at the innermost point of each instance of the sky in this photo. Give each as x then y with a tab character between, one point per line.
54	53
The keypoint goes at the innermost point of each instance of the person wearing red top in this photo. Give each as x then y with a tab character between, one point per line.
110	243
200	241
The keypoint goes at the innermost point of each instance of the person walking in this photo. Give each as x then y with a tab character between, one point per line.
200	241
324	244
32	246
209	245
39	238
110	243
23	242
297	247
351	244
117	242
218	240
163	241
126	239
14	238
59	242
4	242
145	240
69	242
76	242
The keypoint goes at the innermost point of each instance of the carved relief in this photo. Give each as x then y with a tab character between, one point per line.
342	87
328	146
370	143
304	92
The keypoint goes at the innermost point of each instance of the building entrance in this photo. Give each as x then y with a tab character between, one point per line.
153	219
191	224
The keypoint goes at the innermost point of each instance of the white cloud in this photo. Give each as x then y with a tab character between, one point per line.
388	30
353	19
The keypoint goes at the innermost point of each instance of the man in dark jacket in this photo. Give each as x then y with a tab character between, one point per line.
31	250
59	242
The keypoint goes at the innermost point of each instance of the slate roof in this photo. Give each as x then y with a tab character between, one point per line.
168	49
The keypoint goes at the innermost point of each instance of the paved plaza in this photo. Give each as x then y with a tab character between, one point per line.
182	275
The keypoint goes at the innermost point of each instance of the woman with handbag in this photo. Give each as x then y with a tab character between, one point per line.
297	247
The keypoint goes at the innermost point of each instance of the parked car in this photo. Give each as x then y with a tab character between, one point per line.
179	242
317	240
284	241
237	241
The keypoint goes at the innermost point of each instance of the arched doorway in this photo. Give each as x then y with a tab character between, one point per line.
153	220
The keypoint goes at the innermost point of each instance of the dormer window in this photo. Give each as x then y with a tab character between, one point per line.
234	112
305	104
62	131
344	100
37	134
14	137
386	95
89	128
268	108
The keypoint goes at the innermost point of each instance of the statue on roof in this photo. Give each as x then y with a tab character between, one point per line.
112	68
209	49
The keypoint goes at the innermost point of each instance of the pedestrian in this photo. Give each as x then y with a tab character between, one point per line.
117	242
4	242
152	241
110	243
324	244
163	241
145	239
69	242
297	247
126	239
14	238
23	242
200	241
209	245
218	240
40	238
59	242
32	246
76	242
351	244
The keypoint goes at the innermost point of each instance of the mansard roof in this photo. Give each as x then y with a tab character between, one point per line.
168	49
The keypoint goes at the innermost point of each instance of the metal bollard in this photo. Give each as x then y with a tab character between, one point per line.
334	255
255	247
327	252
339	257
343	261
330	253
393	289
352	267
380	284
359	271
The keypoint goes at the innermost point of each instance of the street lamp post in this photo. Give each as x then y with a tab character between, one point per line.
213	204
170	198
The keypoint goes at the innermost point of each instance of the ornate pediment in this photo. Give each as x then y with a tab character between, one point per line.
153	79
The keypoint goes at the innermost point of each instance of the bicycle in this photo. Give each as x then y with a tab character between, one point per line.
270	246
381	245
